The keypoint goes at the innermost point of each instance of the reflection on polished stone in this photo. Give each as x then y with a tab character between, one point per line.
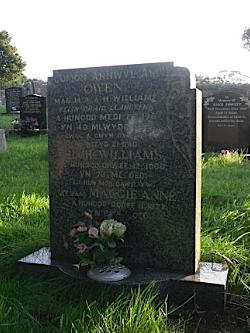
40	257
208	284
210	273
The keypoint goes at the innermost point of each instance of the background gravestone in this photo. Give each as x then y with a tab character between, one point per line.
13	98
226	121
34	107
126	141
34	86
3	143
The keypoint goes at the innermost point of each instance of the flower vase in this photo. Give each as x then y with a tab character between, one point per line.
109	273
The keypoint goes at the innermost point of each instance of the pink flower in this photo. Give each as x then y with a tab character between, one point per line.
83	248
82	228
73	232
93	232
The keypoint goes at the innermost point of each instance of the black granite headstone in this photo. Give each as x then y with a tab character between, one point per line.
226	121
13	96
33	109
126	141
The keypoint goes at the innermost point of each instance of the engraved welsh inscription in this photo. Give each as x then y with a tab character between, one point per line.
227	121
13	96
34	107
122	141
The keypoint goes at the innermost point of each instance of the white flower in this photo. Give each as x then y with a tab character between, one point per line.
112	227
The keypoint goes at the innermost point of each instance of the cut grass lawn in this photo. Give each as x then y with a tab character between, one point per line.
2	109
226	216
31	303
6	119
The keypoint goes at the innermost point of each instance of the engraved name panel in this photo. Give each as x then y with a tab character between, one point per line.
122	141
34	107
227	121
13	96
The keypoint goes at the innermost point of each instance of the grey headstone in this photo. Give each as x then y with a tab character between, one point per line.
126	141
226	121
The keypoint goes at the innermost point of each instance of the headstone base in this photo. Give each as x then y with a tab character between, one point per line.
205	290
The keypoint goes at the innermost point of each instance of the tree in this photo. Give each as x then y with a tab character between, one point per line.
11	63
246	38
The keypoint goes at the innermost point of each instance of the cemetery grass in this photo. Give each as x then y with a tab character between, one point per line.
43	302
6	119
226	216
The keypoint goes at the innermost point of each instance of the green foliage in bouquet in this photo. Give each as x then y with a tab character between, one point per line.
97	244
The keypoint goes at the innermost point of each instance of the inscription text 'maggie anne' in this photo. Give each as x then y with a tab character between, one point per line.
128	194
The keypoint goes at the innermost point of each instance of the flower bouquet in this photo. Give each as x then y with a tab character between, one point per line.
96	243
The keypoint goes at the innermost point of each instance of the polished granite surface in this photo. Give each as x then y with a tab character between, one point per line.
208	273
